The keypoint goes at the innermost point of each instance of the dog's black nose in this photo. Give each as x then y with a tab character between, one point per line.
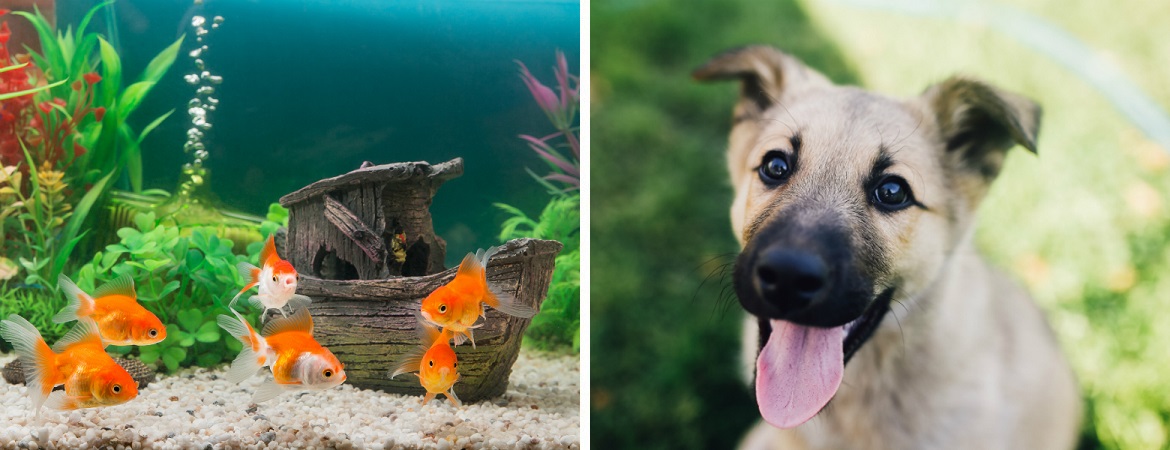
789	279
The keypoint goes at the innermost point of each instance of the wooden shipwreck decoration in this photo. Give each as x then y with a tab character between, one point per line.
367	253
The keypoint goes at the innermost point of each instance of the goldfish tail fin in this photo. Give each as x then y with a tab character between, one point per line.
267	391
37	359
484	255
60	401
410	362
454	399
254	354
80	304
506	303
246	364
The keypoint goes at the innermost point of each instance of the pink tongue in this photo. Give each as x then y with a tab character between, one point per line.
798	371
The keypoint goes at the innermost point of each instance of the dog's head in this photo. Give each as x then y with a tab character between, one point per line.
844	200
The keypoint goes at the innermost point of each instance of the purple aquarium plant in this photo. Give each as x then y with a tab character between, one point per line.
561	111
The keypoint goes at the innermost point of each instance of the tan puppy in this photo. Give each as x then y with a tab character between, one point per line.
855	213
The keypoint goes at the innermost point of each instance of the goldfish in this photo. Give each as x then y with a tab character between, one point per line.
78	361
287	346
435	362
458	305
114	308
276	282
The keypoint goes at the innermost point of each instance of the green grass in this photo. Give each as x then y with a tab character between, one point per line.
1084	225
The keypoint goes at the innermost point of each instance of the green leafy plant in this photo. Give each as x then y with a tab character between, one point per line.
184	275
557	326
110	143
69	138
38	306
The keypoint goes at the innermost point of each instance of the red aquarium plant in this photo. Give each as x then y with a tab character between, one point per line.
561	108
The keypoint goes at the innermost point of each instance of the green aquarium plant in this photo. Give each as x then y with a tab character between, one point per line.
559	321
68	138
557	326
186	276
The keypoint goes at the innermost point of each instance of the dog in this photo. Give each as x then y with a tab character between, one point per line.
855	213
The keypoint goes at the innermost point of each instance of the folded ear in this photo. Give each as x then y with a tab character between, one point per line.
766	75
979	123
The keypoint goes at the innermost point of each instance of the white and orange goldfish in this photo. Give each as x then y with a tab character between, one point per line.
435	362
287	346
114	307
78	361
457	305
276	281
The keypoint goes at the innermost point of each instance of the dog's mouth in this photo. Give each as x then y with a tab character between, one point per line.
800	367
859	331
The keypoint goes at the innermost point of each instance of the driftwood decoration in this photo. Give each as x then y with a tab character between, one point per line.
365	248
370	324
343	228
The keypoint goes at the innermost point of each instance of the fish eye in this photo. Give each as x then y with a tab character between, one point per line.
328	373
455	365
431	362
442	308
153	332
274	278
117	388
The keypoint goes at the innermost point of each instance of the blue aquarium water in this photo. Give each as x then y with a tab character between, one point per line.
311	89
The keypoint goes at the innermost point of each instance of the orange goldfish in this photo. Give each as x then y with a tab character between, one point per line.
78	361
435	363
114	307
457	305
276	282
287	346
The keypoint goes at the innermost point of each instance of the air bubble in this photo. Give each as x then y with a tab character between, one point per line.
215	79
218	19
195	53
191	78
198	21
205	90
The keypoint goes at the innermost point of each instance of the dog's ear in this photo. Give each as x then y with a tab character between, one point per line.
978	123
766	75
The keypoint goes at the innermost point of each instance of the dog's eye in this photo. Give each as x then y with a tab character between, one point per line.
774	169
892	194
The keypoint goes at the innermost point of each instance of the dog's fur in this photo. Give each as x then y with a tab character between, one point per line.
964	358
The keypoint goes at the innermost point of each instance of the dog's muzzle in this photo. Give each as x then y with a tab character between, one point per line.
806	276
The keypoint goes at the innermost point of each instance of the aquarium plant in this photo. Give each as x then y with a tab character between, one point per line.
561	110
65	145
557	326
186	276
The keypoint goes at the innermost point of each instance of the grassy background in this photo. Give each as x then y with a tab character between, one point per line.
1084	225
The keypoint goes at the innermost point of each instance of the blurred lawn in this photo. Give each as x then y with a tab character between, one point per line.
1084	225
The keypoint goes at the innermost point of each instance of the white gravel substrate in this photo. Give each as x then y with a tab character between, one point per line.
198	408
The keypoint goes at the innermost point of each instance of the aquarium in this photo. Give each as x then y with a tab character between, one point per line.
289	224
